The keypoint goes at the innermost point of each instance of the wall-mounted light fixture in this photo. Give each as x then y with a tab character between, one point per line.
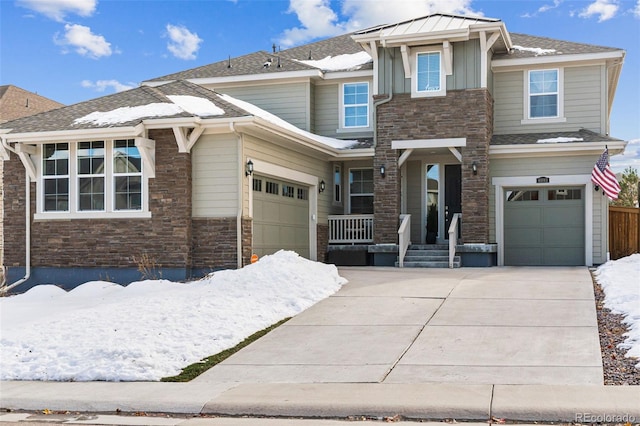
248	169
322	187
474	168
382	170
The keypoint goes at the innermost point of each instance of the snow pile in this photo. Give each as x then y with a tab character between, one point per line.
559	140
192	104
536	50
151	329
273	119
197	106
620	280
350	62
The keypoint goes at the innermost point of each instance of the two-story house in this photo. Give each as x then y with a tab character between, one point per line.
440	129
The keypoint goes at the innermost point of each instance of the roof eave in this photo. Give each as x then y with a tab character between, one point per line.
74	135
283	75
550	150
498	64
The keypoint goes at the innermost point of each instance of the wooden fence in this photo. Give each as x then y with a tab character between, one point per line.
624	231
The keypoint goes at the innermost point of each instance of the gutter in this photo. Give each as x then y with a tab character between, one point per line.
6	288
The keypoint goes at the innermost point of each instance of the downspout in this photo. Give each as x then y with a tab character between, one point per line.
27	274
379	102
240	196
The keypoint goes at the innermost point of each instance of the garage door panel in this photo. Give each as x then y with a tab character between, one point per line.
549	230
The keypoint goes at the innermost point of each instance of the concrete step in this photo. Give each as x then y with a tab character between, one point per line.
439	264
429	247
418	258
427	253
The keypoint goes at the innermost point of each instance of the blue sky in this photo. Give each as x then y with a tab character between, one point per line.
74	50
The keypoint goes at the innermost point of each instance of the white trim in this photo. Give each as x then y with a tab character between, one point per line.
285	75
269	169
556	59
552	150
80	135
456	153
341	125
340	75
429	143
584	181
92	215
559	117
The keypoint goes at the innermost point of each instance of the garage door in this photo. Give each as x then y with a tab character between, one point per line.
280	216
544	226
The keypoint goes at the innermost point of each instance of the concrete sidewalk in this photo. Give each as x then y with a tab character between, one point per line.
466	344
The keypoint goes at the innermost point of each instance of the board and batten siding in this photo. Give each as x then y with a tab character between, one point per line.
584	99
554	166
289	101
215	176
291	159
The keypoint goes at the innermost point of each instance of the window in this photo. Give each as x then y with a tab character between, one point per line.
89	178
337	184
427	75
303	194
564	194
361	191
272	188
287	191
532	195
257	185
355	105
543	94
55	177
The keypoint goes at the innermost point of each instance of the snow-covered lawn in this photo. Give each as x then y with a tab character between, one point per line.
620	280
151	329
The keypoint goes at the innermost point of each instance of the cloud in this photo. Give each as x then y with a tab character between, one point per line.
636	10
84	41
102	85
317	19
58	9
630	158
183	43
604	9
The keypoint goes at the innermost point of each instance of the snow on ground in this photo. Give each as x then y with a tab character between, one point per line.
151	329
620	280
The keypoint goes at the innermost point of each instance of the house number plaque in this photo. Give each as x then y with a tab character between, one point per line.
542	179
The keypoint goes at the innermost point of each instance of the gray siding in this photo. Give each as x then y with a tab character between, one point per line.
215	176
550	166
290	101
583	102
327	114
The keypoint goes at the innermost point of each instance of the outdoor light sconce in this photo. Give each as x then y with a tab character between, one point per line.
322	187
474	168
248	170
382	170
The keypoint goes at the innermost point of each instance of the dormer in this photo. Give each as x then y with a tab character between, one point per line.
426	48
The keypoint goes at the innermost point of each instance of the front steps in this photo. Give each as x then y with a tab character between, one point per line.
429	256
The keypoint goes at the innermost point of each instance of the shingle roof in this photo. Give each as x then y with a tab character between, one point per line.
288	60
587	136
559	47
64	118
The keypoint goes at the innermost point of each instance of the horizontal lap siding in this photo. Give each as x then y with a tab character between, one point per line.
288	101
327	109
574	165
215	176
583	102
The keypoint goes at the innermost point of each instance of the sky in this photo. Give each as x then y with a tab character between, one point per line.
74	50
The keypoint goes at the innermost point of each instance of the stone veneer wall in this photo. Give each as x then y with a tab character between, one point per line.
1	217
165	238
322	241
459	114
214	243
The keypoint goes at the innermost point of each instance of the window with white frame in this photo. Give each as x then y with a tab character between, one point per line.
81	178
337	184
428	76
544	97
355	105
361	191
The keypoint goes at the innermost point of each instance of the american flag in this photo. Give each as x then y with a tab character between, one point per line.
603	176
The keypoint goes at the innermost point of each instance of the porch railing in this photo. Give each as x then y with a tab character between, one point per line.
453	237
351	229
404	238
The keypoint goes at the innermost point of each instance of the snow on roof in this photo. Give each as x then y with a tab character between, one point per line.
192	104
195	105
536	50
560	140
259	112
350	61
125	114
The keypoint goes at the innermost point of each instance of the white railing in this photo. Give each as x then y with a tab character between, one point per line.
404	238
351	229
453	237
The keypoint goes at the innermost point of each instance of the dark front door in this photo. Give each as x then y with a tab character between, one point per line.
452	194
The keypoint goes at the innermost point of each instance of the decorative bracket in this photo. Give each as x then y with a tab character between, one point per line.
456	153
186	138
24	152
147	148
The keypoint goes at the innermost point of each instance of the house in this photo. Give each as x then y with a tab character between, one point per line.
15	103
347	150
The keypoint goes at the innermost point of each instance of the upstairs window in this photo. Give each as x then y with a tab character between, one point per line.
427	73
544	94
355	105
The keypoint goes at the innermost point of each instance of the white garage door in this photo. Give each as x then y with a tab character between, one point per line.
544	226
280	216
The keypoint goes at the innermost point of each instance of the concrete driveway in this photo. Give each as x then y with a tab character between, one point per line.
468	326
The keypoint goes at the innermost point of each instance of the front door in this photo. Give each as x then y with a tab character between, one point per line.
452	194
